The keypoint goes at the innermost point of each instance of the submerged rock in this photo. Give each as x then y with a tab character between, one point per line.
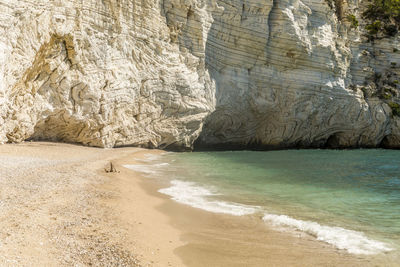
165	73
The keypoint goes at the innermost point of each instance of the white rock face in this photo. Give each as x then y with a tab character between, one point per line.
101	73
161	73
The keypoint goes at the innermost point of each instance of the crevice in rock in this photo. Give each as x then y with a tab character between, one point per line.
333	141
385	142
270	19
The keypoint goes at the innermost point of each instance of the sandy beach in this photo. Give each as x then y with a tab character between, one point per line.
59	207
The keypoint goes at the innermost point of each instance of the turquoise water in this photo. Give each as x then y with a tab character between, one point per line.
356	190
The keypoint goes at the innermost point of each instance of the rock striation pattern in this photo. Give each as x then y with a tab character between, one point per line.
169	73
100	73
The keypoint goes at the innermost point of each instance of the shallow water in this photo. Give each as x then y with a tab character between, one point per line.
348	198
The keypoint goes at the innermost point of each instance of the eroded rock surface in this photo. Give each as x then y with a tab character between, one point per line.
165	73
101	73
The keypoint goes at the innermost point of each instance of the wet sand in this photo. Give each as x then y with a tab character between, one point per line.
58	206
209	239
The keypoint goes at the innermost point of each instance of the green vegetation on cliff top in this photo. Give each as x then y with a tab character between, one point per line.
384	16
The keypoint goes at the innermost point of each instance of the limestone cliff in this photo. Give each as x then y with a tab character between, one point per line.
165	73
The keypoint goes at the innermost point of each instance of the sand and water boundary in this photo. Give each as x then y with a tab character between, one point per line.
59	206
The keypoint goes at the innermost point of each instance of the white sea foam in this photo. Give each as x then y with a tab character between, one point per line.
197	196
191	194
149	157
162	164
352	241
147	168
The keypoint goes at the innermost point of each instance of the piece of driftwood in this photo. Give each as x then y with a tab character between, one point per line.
111	168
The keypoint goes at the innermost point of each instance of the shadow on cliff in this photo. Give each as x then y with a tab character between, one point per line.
233	125
225	127
232	50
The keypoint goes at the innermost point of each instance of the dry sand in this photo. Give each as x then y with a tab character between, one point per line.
58	207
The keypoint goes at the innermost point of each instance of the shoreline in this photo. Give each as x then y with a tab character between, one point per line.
87	216
151	230
218	239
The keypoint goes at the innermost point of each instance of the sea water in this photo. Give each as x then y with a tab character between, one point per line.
347	198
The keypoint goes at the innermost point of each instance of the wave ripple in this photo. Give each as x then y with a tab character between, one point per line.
191	194
352	241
